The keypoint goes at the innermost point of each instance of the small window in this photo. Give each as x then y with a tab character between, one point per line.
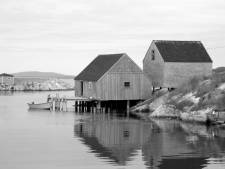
153	55
127	84
90	85
126	134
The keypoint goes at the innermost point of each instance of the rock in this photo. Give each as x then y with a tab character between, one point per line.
196	116
166	111
158	102
142	108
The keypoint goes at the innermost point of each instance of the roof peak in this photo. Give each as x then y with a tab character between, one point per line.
188	41
99	66
111	54
182	51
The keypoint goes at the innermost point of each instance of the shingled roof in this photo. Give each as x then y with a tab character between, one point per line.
182	51
98	67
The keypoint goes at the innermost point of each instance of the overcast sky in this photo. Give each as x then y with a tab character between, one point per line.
65	35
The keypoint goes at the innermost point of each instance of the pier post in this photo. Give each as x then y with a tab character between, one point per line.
81	105
53	104
88	107
99	106
75	106
78	106
128	107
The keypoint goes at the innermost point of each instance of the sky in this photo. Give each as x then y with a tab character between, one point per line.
65	35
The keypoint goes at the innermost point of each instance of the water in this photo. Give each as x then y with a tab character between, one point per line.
59	140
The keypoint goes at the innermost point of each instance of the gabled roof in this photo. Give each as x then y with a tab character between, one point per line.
5	74
182	51
98	67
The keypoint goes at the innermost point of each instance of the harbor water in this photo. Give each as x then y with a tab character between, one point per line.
69	140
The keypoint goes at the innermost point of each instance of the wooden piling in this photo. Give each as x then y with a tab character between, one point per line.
99	106
53	104
128	107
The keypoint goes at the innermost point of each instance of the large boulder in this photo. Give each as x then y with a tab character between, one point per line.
166	111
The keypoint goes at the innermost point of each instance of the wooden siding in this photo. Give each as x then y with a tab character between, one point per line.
125	64
89	89
77	88
154	69
177	73
111	86
172	74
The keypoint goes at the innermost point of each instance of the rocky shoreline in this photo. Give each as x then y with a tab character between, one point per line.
45	85
196	101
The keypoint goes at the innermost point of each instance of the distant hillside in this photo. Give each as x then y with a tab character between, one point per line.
44	75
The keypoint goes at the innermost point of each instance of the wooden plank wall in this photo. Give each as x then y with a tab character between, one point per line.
154	69
89	89
77	88
112	87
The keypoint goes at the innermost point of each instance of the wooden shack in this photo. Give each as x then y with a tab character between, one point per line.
6	79
113	77
170	63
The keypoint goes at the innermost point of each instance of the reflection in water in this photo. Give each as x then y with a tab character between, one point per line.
164	144
6	93
115	139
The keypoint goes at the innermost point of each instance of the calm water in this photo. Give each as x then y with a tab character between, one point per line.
56	140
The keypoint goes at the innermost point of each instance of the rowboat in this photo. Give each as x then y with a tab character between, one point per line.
42	106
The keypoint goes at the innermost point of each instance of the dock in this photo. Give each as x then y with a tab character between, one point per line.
83	104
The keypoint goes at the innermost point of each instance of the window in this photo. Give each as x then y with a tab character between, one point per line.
89	85
153	55
127	84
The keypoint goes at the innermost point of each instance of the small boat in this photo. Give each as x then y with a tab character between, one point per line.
42	106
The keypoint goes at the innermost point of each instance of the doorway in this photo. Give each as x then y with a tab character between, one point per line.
81	88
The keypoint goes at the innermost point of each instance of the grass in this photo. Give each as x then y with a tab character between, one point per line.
206	88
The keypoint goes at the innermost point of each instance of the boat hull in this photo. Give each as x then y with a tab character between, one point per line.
41	106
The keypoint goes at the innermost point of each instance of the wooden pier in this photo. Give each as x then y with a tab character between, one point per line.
92	105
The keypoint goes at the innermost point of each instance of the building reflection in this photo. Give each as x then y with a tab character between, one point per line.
115	139
164	144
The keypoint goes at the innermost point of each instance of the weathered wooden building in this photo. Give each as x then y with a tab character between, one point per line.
6	79
171	63
113	77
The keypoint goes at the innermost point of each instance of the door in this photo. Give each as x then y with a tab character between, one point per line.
82	88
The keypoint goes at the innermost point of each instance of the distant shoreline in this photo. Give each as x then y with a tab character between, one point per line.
36	90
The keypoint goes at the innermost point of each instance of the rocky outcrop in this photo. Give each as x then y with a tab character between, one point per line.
194	101
196	116
166	111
